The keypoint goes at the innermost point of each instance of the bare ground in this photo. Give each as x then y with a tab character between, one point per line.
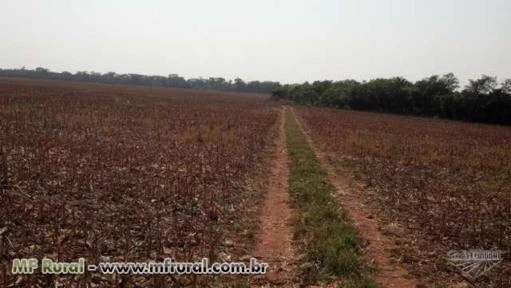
389	273
274	240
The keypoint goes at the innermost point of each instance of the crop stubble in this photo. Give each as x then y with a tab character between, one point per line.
116	173
448	184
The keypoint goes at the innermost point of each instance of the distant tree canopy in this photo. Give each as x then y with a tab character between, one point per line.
172	80
482	100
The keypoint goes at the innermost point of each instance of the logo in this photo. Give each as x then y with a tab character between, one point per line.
474	263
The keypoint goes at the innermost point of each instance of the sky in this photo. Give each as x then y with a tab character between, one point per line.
283	40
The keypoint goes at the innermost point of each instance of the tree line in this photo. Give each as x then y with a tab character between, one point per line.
172	80
482	100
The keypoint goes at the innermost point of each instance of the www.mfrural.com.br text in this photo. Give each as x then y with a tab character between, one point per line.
167	266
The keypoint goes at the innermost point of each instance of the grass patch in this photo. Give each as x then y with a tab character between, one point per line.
325	236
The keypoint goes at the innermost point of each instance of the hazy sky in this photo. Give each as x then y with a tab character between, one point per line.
282	40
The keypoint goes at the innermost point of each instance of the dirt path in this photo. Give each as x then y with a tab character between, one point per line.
389	273
274	240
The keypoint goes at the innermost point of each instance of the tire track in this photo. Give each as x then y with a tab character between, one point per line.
274	240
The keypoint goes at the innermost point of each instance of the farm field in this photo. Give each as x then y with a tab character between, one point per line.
436	185
328	198
119	173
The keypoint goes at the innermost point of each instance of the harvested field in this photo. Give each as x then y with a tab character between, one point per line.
118	173
136	174
440	185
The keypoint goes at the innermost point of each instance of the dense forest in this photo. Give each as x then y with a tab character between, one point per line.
482	100
172	80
